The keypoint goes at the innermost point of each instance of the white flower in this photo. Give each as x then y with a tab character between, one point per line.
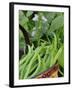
35	18
33	33
44	19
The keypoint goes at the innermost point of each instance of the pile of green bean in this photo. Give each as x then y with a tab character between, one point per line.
39	59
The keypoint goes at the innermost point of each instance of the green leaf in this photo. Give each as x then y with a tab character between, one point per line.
57	23
29	13
21	14
23	20
50	16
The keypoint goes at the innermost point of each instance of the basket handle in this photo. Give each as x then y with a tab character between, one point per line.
27	40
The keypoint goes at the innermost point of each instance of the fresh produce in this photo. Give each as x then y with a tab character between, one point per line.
46	34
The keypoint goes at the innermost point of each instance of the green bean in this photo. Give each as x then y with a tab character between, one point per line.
22	72
47	52
30	49
33	59
53	49
25	64
52	57
55	41
42	68
29	67
38	50
27	61
44	65
56	56
23	59
44	41
48	61
33	68
58	53
37	70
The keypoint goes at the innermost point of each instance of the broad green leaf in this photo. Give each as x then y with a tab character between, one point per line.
23	20
50	16
57	23
29	13
59	13
21	14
